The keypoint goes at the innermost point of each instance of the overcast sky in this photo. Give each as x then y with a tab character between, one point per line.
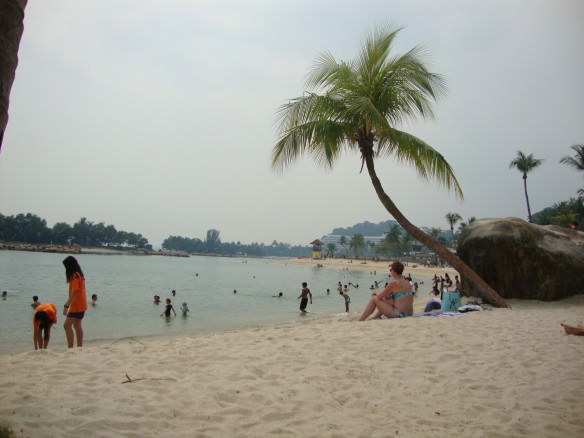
158	117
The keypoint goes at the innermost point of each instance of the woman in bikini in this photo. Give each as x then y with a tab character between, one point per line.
396	300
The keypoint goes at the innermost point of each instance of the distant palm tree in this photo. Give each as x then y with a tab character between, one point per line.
435	232
469	221
331	248
406	243
372	246
394	234
356	106
357	243
452	219
525	164
577	162
343	242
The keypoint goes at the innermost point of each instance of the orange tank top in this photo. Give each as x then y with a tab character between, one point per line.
79	303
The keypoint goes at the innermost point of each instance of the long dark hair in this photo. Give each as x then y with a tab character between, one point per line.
71	267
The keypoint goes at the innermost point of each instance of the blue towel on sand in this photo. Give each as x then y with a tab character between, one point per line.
440	314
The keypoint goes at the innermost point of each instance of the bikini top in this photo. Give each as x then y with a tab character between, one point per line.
400	294
404	293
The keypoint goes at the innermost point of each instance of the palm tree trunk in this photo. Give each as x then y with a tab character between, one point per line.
11	27
526	197
488	293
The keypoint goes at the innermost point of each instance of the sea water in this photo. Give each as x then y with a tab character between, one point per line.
126	285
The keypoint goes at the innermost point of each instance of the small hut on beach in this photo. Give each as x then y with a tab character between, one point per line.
316	248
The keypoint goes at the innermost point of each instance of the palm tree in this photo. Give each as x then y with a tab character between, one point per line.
577	162
359	105
331	248
394	233
525	164
463	225
452	219
435	232
357	243
343	243
12	19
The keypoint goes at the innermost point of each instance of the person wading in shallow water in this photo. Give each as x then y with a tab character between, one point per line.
304	294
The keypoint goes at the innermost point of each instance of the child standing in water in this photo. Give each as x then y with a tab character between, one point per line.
304	294
185	308
168	309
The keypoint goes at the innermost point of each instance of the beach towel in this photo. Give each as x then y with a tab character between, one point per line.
440	314
450	301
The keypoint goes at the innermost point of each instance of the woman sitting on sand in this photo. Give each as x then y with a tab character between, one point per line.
396	300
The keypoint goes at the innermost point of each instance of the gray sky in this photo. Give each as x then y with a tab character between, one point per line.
159	116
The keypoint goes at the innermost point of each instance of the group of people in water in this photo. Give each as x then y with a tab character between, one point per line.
395	301
169	308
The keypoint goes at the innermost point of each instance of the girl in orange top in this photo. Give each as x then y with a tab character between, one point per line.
76	305
45	315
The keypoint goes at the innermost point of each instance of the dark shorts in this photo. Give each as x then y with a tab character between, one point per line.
303	303
77	315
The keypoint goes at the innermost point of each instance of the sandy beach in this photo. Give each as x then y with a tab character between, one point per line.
381	267
500	373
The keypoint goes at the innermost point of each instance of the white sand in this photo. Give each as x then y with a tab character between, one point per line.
501	373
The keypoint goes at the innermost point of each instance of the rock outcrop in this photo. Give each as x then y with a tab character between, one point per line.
523	260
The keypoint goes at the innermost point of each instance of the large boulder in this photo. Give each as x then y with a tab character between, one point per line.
523	260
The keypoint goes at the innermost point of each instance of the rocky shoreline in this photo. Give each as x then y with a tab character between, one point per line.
77	249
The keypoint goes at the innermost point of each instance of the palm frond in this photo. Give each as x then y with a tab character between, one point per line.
427	161
312	124
577	161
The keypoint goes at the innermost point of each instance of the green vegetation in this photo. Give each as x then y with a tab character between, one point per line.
213	245
562	213
30	228
6	432
355	106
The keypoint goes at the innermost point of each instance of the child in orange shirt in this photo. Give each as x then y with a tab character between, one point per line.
45	315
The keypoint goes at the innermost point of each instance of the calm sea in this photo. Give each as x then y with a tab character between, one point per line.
126	285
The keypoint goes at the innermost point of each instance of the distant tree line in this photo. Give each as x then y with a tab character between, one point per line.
29	228
562	213
365	228
213	245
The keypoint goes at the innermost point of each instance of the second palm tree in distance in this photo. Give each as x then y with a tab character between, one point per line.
525	164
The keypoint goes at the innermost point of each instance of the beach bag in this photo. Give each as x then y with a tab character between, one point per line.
450	302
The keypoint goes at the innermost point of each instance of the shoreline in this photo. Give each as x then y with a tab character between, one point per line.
77	249
491	373
427	272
